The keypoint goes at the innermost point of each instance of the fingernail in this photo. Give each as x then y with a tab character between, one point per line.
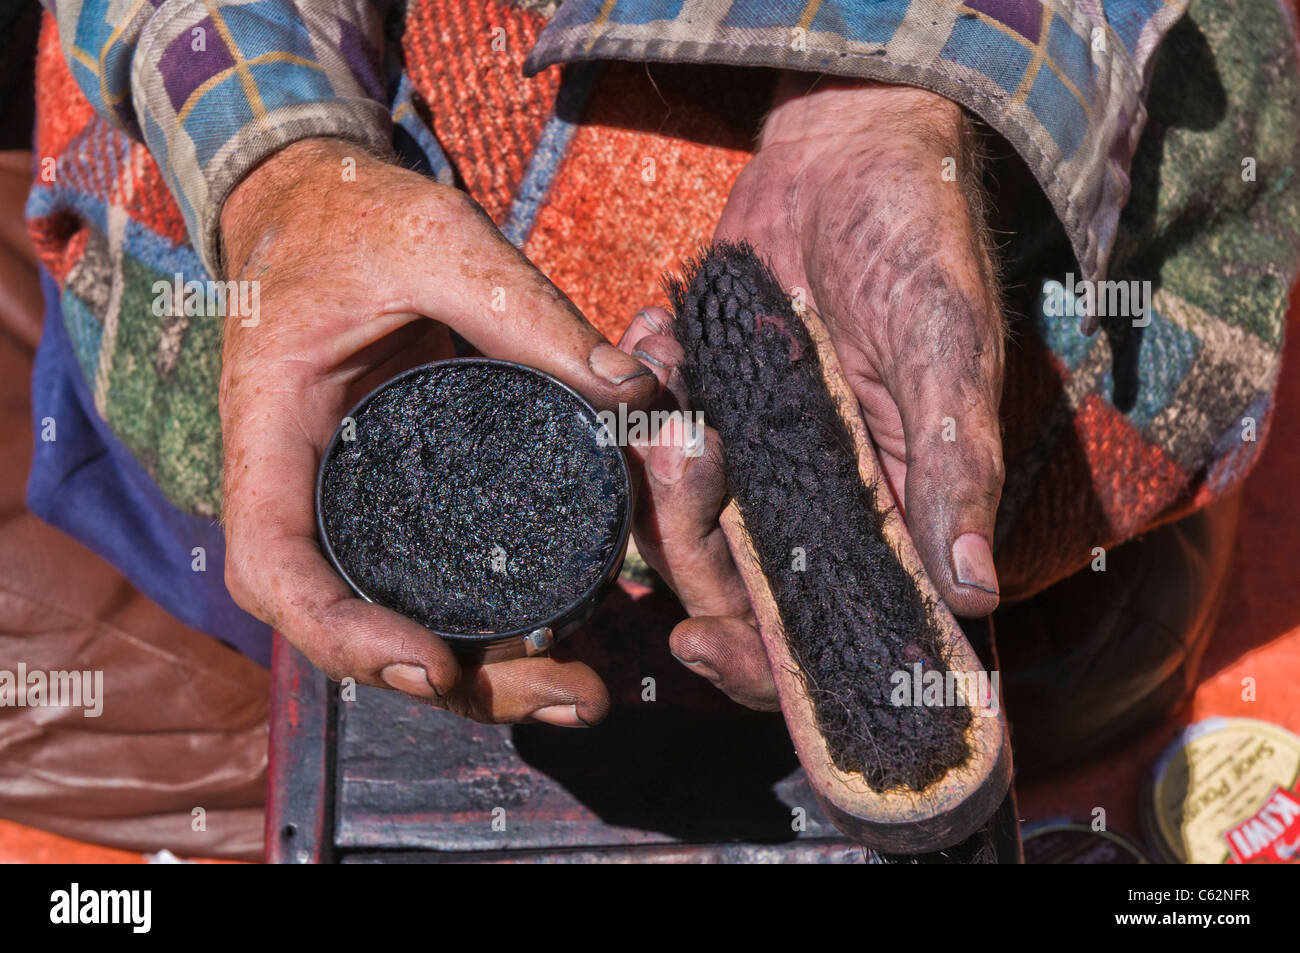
699	668
694	445
642	355
613	365
972	561
655	325
668	461
408	678
563	716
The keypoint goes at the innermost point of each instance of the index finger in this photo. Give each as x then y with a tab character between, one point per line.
495	298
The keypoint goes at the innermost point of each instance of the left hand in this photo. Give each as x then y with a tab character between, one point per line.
359	281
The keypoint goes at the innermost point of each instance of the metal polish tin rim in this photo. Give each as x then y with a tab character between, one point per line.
1065	825
563	622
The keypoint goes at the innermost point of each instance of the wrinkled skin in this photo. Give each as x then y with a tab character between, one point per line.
360	280
847	199
351	273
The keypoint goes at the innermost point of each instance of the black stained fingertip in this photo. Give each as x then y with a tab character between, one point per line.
972	561
646	316
642	355
596	712
609	363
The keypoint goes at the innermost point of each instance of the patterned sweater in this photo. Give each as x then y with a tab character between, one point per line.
1176	167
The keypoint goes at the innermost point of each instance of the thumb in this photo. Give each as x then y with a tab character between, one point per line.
954	482
508	309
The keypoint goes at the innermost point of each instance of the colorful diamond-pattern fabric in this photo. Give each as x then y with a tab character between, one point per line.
1105	435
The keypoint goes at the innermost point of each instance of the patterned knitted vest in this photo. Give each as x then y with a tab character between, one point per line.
607	176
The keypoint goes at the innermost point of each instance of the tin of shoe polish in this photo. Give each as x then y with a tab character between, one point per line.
1062	841
1226	791
484	499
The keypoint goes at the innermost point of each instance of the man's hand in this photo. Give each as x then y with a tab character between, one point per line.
349	273
865	198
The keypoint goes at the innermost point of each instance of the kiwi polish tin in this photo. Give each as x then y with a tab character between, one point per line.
1226	791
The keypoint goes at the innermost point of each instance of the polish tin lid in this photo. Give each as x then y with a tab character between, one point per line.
1226	791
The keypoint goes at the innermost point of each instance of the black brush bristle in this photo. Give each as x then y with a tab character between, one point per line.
853	615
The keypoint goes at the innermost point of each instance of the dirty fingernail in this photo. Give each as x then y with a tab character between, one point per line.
564	716
668	461
649	319
408	678
613	365
972	561
649	359
699	668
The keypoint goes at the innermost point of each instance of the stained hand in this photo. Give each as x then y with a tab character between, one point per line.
865	199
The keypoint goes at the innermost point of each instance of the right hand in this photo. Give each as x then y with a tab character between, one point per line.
350	272
846	200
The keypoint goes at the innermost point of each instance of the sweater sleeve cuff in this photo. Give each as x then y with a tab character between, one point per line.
217	88
1062	80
